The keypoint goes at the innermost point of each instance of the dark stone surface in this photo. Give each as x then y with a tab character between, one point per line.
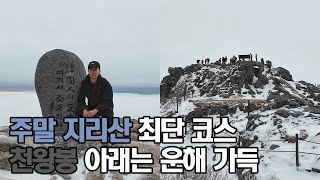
273	95
6	143
251	125
283	113
281	101
196	113
298	86
175	71
274	146
309	87
316	170
254	117
263	79
247	67
283	73
251	92
4	129
247	86
314	110
252	107
246	142
277	121
296	114
192	68
168	82
317	97
293	104
258	84
57	82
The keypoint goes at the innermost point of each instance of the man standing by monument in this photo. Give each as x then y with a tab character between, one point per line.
99	94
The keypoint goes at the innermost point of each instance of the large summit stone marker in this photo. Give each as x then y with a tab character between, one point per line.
57	82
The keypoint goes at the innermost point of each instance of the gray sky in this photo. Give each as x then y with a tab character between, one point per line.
287	32
122	35
131	39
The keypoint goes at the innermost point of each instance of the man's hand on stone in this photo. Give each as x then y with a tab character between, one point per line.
93	112
85	113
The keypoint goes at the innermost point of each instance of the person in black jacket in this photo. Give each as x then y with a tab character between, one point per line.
99	94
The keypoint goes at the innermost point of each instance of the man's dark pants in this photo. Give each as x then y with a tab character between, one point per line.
108	114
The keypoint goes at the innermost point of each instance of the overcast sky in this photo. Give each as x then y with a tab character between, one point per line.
131	39
122	35
287	32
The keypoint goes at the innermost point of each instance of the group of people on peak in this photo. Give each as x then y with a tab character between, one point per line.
206	61
233	59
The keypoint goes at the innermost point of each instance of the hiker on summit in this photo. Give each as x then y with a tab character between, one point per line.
208	60
99	94
224	60
233	60
191	89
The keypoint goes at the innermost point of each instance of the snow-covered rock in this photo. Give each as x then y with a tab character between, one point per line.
279	109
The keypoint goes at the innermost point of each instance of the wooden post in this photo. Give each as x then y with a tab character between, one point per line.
248	109
297	151
177	105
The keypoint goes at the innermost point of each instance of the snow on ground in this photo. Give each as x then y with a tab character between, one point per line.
26	104
273	165
6	175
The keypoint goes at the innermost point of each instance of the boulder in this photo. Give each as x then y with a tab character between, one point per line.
317	97
277	121
4	161
283	73
4	129
298	86
296	114
175	71
263	79
281	101
316	170
251	92
294	104
274	146
282	113
190	69
252	107
314	110
309	87
258	84
8	142
57	82
246	142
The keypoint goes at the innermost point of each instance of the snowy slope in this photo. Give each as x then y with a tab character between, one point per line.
280	107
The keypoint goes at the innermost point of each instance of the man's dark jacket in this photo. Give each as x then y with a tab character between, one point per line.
100	97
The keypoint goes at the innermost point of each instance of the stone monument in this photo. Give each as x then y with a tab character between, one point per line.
57	82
